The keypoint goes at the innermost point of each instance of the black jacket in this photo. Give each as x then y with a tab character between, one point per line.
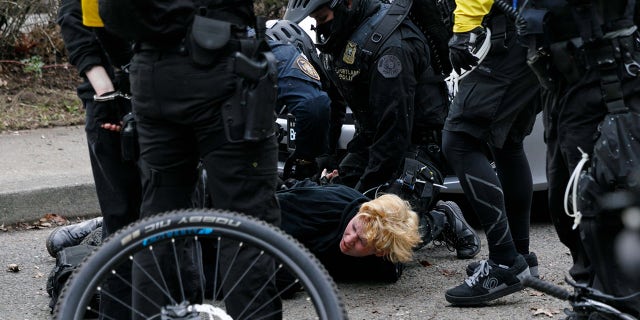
317	217
167	21
395	95
88	47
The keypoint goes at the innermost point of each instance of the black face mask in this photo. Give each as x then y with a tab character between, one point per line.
323	33
332	34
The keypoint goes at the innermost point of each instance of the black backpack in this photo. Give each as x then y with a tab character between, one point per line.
67	260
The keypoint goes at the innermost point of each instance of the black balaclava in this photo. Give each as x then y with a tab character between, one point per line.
332	35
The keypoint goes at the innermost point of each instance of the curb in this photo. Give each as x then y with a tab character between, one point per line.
69	201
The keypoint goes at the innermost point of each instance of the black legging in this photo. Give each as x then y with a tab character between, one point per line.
489	195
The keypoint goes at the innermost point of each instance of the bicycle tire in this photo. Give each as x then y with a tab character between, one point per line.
196	225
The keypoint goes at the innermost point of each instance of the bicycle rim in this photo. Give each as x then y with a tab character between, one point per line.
203	234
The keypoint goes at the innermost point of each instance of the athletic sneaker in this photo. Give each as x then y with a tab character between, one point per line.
71	235
457	233
530	258
489	282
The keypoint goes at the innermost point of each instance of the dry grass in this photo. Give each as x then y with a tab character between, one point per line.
30	100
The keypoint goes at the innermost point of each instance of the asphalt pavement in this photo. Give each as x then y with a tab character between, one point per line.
47	171
418	295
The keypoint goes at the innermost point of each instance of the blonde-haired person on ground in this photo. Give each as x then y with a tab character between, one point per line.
357	238
385	227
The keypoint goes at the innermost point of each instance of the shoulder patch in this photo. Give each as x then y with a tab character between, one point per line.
389	66
305	66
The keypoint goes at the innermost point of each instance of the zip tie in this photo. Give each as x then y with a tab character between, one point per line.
572	187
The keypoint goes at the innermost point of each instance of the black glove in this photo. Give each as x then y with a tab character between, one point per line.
110	107
461	47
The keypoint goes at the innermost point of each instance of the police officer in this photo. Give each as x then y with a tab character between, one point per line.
397	101
101	59
300	94
381	88
591	57
188	105
495	105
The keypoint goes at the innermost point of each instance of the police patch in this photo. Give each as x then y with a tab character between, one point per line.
305	66
389	66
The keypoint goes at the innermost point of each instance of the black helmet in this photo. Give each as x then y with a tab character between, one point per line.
286	31
297	10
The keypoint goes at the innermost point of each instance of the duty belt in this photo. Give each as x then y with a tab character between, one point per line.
171	48
179	48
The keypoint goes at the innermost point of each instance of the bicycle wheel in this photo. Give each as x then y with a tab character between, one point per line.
205	234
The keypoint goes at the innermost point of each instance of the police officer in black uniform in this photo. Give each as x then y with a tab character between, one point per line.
588	59
186	101
101	59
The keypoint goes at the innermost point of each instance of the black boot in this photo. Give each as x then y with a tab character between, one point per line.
432	224
458	234
71	235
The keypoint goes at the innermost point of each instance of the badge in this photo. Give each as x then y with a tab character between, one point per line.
349	56
389	66
305	66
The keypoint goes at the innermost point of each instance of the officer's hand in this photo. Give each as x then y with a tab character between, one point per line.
461	47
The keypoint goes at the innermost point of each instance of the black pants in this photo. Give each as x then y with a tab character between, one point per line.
573	114
569	125
177	106
119	192
496	105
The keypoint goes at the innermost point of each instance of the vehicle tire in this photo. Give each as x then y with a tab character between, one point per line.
196	226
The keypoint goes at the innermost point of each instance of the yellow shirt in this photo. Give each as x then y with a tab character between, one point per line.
469	14
90	14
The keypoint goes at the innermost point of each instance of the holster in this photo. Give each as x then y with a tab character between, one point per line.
249	114
129	138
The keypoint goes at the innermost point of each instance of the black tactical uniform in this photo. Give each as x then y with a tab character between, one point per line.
179	87
117	181
395	95
593	70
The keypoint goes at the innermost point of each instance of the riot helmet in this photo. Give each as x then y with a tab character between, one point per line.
297	10
286	31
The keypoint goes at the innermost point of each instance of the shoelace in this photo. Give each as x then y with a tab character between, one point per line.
451	240
481	271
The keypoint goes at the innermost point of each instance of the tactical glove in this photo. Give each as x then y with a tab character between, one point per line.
462	46
110	107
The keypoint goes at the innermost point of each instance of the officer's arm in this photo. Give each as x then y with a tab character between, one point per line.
469	14
391	102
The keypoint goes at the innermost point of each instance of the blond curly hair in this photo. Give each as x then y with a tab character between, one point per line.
391	227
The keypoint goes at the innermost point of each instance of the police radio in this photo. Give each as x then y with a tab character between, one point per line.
291	129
